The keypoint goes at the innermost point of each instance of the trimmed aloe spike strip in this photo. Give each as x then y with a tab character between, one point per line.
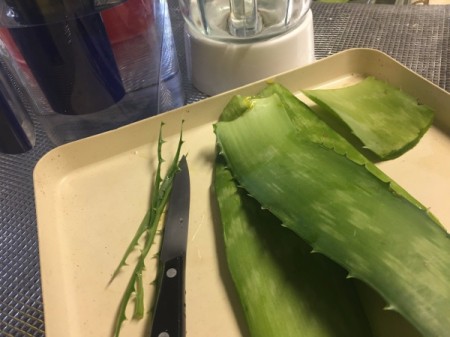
161	189
283	288
146	224
342	208
386	120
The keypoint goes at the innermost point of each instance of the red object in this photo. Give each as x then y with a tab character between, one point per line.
127	20
7	39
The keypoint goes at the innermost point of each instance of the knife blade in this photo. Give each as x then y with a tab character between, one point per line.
169	319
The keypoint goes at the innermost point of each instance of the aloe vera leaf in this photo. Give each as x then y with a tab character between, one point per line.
283	288
305	120
386	120
343	210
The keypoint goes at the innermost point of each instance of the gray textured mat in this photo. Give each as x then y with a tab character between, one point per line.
417	36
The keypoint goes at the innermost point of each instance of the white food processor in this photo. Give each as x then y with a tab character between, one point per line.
230	43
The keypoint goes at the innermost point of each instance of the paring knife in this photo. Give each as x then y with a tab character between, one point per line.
169	315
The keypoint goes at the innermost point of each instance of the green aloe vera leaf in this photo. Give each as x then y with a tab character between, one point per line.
283	288
343	209
305	120
385	119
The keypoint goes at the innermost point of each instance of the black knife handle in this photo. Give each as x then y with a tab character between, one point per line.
169	319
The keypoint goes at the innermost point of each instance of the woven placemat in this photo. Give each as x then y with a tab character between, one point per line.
417	36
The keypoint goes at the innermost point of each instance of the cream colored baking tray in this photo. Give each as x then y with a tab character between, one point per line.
92	194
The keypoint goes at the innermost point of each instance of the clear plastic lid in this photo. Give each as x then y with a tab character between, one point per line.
243	20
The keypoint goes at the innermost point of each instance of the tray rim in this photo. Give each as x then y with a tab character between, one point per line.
345	59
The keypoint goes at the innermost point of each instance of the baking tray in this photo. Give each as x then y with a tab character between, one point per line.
92	194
